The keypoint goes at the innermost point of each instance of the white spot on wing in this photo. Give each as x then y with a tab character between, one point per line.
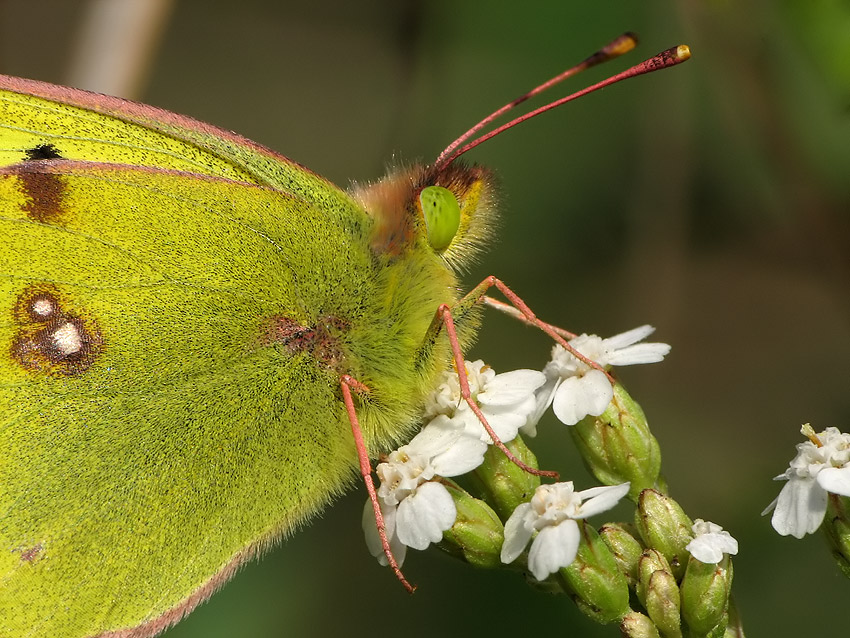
43	307
67	339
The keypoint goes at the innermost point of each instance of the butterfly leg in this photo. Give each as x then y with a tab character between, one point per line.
511	311
347	384
444	314
518	309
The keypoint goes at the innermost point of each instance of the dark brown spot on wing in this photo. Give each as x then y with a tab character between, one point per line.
324	340
43	152
52	337
44	192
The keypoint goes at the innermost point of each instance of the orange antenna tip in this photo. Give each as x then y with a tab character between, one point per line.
621	45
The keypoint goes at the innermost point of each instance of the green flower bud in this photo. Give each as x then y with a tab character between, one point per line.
594	579
626	549
651	560
663	525
477	535
501	482
836	526
617	446
636	625
705	596
658	592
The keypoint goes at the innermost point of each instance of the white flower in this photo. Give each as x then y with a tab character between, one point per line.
710	542
552	513
416	511
575	389
507	400
822	465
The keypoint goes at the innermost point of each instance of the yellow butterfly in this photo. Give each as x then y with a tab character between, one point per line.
178	306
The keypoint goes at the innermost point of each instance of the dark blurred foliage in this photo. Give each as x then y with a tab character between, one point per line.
710	200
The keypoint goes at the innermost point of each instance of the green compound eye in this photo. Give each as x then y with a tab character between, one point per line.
442	215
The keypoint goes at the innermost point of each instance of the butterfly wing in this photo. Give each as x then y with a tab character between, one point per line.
41	120
176	306
152	434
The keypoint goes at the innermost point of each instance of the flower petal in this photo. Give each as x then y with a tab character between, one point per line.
436	437
424	516
370	529
511	387
543	399
710	547
465	455
553	548
504	425
517	534
373	539
579	396
800	507
625	339
601	499
772	505
639	353
704	550
835	480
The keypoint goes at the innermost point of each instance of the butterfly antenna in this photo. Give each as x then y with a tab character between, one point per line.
623	44
616	48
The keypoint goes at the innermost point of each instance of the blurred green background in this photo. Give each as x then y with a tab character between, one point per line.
710	200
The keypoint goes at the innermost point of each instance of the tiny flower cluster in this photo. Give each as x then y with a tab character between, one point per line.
574	389
418	509
710	542
552	514
675	572
822	465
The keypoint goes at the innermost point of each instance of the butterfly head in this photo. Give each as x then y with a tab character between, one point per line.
449	210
